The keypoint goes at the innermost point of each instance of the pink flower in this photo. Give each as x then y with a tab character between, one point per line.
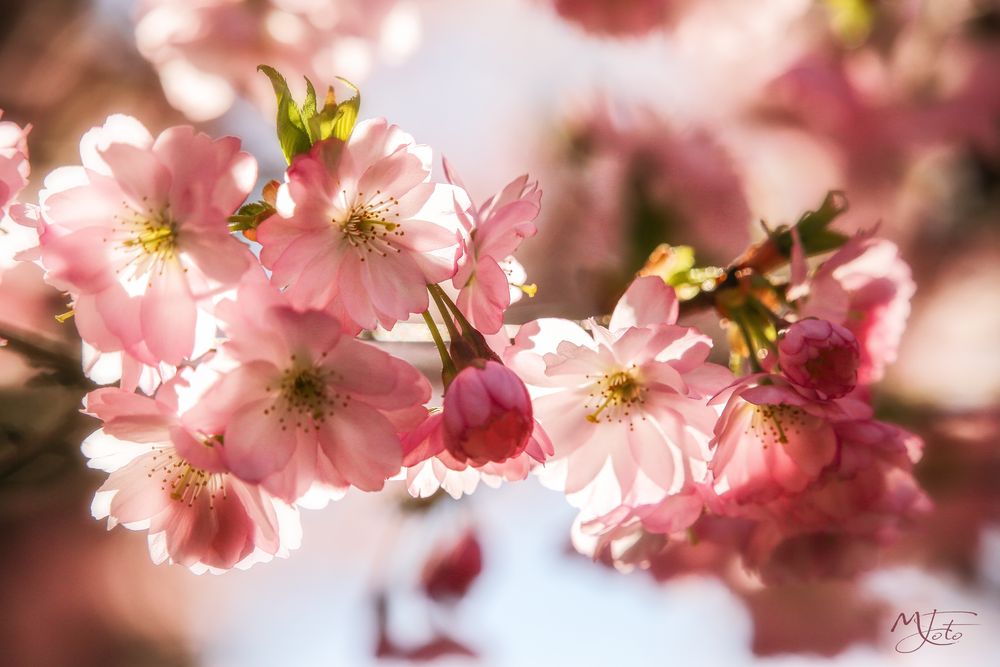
487	415
167	476
14	166
617	17
859	503
14	170
139	236
627	408
819	355
492	232
866	287
207	51
303	405
773	439
366	234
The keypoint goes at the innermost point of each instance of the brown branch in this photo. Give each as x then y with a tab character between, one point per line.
47	354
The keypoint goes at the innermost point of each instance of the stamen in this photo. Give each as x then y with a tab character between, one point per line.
776	422
184	482
616	396
304	398
151	239
368	226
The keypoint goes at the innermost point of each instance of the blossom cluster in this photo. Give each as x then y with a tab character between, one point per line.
233	333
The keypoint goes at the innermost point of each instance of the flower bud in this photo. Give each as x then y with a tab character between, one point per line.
487	414
451	570
820	355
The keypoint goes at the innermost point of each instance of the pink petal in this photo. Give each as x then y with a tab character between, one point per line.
362	445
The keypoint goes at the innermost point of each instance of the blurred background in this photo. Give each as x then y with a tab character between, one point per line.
646	121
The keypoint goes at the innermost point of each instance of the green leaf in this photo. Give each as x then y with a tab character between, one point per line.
293	136
309	110
813	228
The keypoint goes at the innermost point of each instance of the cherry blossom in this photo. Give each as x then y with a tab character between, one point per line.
14	165
859	503
138	236
627	408
819	355
774	439
364	231
14	171
167	476
487	415
487	273
865	287
304	406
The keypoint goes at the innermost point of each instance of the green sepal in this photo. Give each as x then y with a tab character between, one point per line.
250	216
336	120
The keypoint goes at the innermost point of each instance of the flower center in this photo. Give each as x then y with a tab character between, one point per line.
614	395
185	482
370	226
774	423
304	396
150	239
154	236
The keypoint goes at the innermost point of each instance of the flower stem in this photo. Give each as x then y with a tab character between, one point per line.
441	297
449	321
750	341
447	365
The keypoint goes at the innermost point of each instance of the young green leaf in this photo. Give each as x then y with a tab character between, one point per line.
292	133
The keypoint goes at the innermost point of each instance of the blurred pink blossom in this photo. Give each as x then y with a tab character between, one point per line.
617	17
14	165
860	503
364	231
452	568
207	51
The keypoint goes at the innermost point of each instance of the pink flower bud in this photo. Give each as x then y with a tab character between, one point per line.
452	568
820	355
487	415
